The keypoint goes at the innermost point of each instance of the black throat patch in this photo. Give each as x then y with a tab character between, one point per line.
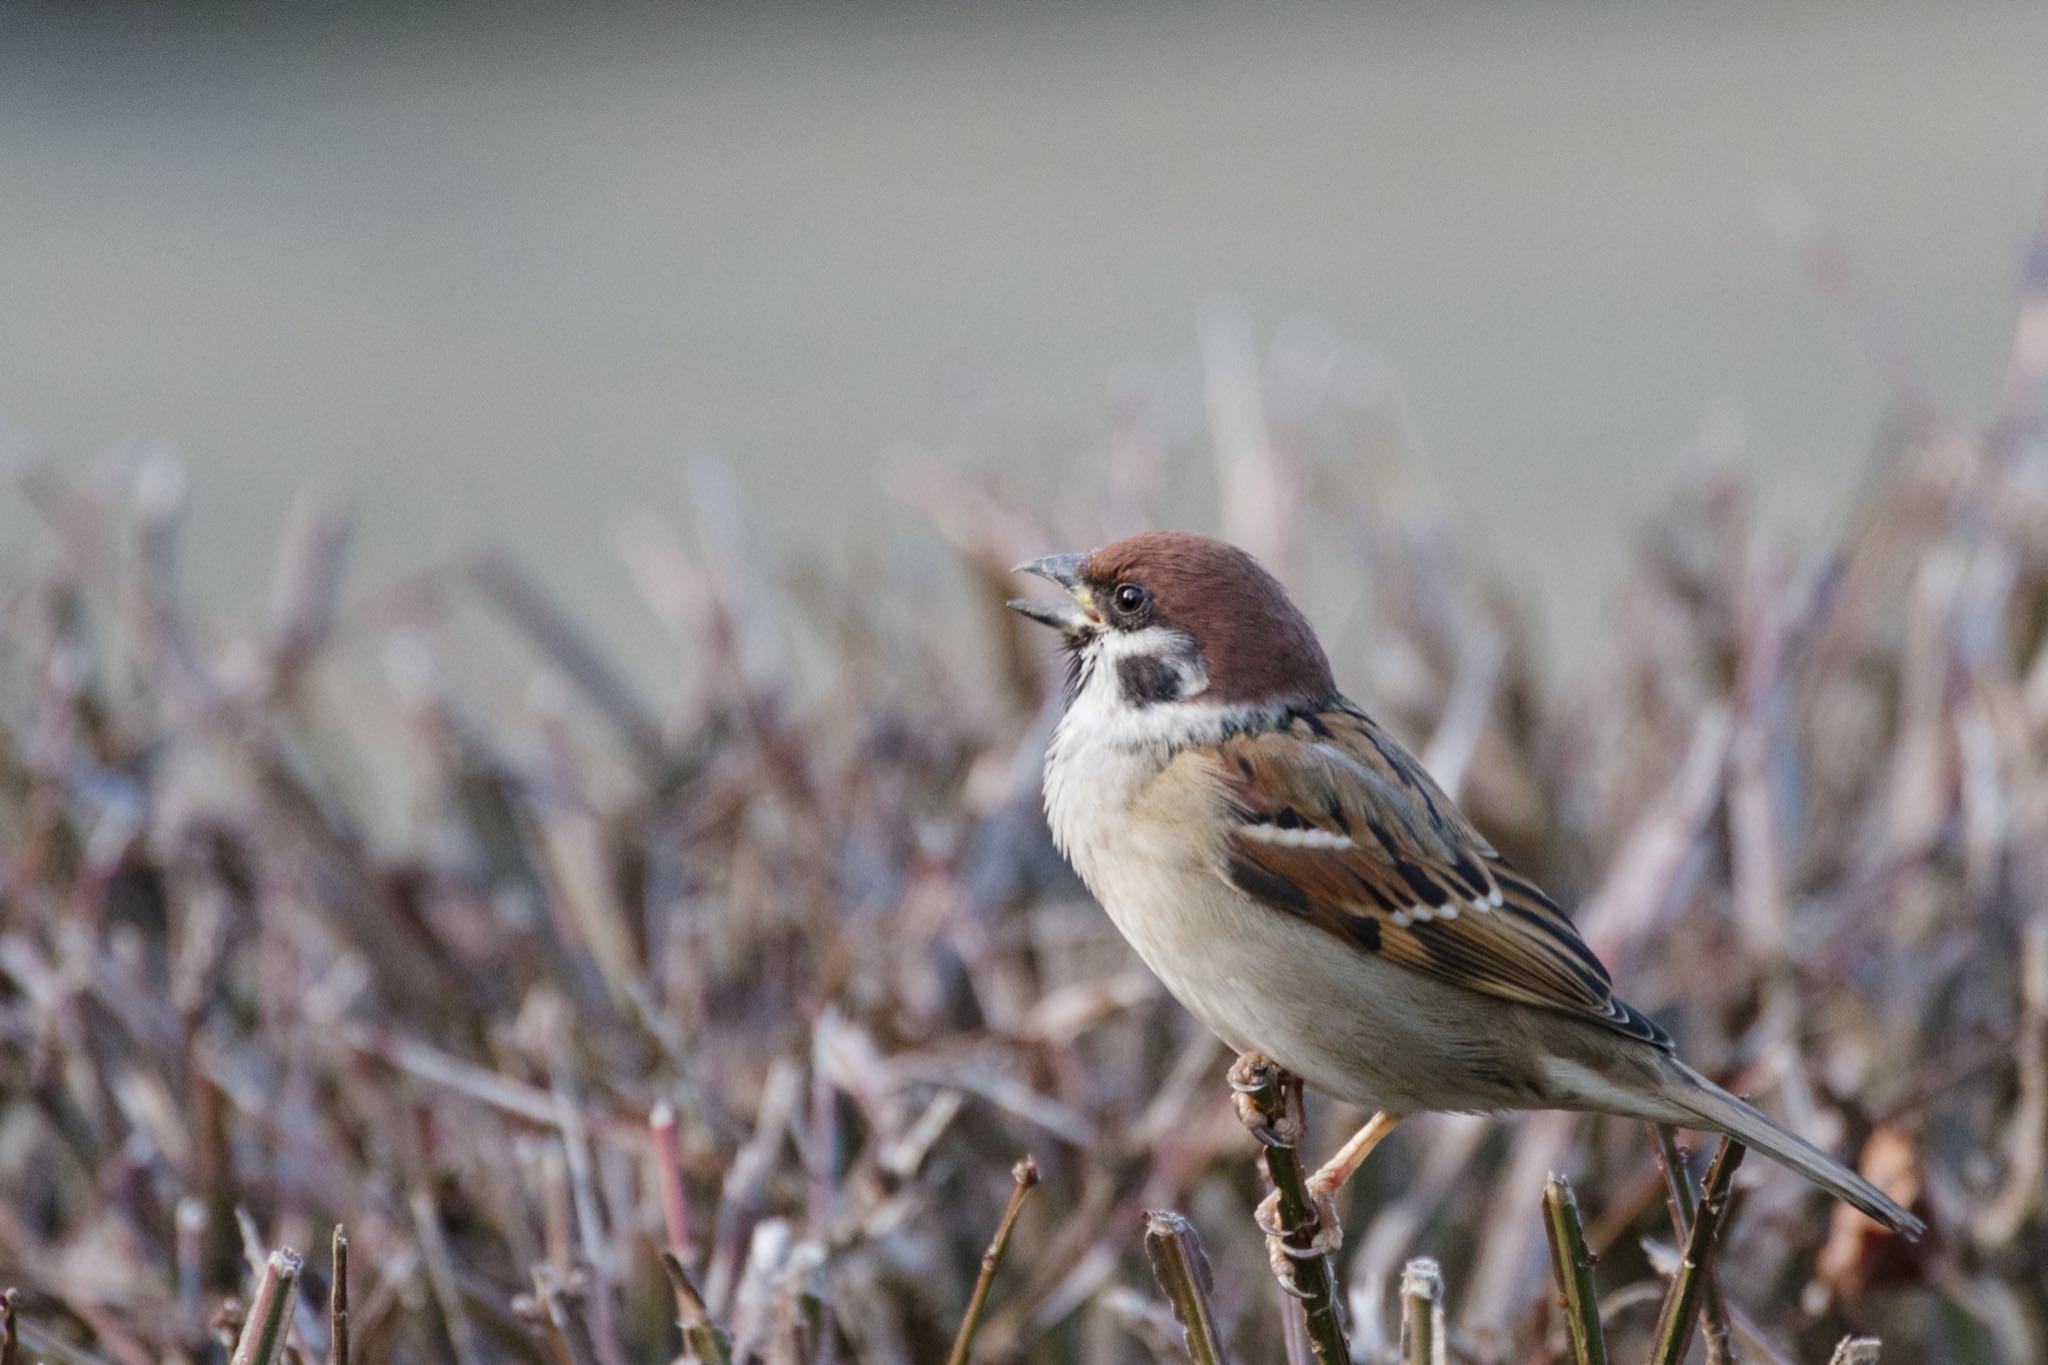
1147	681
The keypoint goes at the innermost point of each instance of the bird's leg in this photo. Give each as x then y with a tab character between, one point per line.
1268	1102
1322	1187
1338	1170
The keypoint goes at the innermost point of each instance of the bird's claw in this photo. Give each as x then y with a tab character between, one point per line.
1285	1250
1267	1100
1251	1072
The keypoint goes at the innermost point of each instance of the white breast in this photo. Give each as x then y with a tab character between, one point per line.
1105	749
1350	1023
1152	875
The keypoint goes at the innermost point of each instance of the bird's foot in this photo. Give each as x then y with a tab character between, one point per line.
1285	1250
1267	1100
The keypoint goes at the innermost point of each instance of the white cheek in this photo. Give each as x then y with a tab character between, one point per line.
1105	748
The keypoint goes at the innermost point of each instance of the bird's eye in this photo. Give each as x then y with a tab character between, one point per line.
1130	599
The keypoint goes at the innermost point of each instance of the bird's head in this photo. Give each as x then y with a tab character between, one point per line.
1182	617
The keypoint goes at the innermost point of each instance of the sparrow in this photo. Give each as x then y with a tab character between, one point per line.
1301	885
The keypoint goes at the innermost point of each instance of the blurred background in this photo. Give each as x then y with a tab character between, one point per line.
501	274
616	848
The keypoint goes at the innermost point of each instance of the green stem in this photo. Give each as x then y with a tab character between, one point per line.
1270	1105
1681	1304
1183	1273
270	1321
1572	1263
1678	1199
702	1339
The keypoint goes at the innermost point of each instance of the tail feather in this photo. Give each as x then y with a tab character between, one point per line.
1714	1108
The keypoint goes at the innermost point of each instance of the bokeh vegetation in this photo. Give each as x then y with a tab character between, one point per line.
779	974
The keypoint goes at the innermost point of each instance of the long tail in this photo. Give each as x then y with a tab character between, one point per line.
1715	1108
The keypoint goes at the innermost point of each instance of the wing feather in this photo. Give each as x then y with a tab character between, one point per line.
1337	824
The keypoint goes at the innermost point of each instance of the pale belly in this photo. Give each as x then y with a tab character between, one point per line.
1352	1025
1375	1035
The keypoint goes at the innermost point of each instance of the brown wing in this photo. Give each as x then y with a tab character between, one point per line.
1339	824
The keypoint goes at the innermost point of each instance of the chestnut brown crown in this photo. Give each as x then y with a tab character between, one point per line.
1255	643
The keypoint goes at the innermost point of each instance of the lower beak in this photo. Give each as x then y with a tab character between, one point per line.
1075	616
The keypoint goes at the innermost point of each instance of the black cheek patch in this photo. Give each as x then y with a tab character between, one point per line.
1147	681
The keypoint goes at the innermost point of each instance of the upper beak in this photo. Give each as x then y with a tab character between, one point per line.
1075	616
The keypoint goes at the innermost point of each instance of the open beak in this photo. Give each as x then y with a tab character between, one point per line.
1076	615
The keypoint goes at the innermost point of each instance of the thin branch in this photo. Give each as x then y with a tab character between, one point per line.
270	1321
337	1300
1856	1351
668	1173
556	634
441	1278
1572	1264
567	1333
702	1338
1183	1273
1269	1104
1025	1173
1423	1336
1678	1199
1681	1305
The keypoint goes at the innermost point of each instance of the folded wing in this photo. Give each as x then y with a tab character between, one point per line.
1337	824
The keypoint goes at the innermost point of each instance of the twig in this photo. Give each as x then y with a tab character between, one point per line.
337	1300
2001	1218
1678	1199
1025	1173
270	1320
1572	1263
556	634
1183	1273
568	1333
1856	1351
1681	1305
668	1173
10	1337
1269	1104
702	1338
1422	1313
441	1278
589	1222
189	1251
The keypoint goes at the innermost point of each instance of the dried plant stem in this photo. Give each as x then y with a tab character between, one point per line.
567	1330
1678	1198
1269	1104
2002	1218
1183	1273
337	1300
1681	1304
702	1339
1856	1351
10	1333
442	1280
1025	1174
270	1320
1572	1263
1422	1313
668	1169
